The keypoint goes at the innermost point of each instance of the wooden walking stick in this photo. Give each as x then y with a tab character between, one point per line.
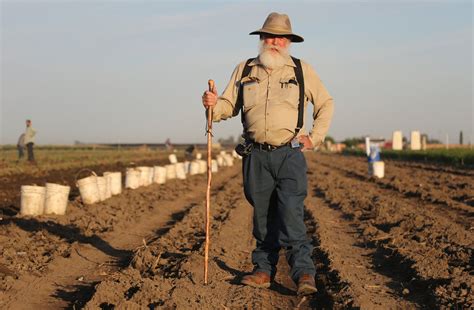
209	177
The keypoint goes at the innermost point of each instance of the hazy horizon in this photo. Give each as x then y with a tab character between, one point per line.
134	72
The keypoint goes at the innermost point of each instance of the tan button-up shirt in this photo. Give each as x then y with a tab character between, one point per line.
271	101
30	134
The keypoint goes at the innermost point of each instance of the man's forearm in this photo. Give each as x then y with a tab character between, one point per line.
322	121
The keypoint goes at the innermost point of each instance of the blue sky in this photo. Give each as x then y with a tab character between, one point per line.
134	71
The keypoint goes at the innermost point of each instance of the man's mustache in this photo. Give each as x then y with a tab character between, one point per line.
266	47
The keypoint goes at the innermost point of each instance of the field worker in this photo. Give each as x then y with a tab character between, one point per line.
189	151
267	92
30	134
20	145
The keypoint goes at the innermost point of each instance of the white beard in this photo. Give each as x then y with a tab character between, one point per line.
270	59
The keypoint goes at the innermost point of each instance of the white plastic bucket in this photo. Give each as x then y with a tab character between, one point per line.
170	172
187	164
377	169
194	167
202	166
151	170
397	140
115	179
198	155
108	192
180	171
220	160
102	184
229	160
144	175
415	141
159	175
89	189
56	198
173	159
214	166
132	178
32	200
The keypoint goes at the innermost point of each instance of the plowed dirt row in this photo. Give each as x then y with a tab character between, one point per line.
379	244
364	287
455	191
438	168
433	253
56	260
10	185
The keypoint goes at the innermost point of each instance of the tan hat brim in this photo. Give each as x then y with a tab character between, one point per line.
293	37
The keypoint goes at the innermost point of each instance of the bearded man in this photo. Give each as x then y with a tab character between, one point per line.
267	91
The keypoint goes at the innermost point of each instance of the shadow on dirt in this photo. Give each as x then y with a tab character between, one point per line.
331	294
78	295
237	274
70	233
9	210
388	262
405	280
175	218
74	294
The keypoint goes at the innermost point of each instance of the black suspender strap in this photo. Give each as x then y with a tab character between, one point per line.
240	95
300	79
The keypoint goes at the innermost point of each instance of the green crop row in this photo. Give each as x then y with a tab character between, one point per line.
455	157
62	158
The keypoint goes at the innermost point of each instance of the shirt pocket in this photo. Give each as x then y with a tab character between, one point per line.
250	92
288	92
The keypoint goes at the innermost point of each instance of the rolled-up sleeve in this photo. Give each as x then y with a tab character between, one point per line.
323	103
226	103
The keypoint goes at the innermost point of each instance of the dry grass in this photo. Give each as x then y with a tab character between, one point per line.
49	158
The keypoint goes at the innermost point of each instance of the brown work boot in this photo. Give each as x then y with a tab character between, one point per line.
306	285
257	279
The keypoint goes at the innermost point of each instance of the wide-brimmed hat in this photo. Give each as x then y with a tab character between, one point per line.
278	24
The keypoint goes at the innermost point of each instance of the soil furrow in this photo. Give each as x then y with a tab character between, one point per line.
432	248
164	268
332	293
429	187
462	171
382	197
31	237
363	286
94	256
459	213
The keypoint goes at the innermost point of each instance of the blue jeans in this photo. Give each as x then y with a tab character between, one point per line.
21	151
275	184
31	155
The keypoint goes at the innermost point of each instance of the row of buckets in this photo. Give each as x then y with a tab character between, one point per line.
53	198
49	199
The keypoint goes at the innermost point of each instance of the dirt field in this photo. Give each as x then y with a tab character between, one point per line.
405	241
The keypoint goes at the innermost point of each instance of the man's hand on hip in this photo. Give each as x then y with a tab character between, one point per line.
306	143
209	98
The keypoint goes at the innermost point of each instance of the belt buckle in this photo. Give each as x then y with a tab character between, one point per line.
266	147
269	147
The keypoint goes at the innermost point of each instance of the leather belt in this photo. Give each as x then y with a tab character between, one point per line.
268	147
